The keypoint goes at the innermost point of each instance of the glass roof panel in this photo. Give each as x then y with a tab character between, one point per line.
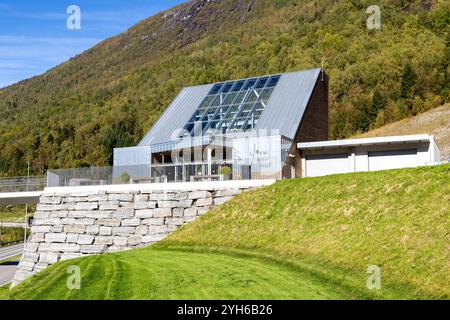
265	95
230	98
248	107
257	112
223	110
261	83
240	97
250	84
217	101
252	97
216	88
238	85
206	102
227	87
273	81
231	107
259	106
189	127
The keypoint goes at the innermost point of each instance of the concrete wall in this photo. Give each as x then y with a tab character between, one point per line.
73	222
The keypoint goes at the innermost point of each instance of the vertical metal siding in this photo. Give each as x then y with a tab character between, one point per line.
132	156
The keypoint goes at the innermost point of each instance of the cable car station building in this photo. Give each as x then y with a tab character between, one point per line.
270	127
242	129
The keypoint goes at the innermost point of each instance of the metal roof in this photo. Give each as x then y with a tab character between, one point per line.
176	115
365	142
284	110
288	102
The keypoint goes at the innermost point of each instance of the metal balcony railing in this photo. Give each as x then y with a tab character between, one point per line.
270	168
163	173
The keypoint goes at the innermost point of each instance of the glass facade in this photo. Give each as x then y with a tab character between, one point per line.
255	155
232	107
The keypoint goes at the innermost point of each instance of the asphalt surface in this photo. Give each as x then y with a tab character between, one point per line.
8	269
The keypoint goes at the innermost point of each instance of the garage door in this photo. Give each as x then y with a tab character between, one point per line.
326	164
393	159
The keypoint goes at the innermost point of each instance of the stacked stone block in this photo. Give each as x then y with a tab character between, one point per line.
68	226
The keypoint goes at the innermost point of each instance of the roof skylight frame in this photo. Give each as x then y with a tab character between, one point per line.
241	89
255	103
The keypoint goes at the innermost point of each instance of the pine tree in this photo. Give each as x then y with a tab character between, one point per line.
378	104
409	79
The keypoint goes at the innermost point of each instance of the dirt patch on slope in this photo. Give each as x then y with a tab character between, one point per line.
435	122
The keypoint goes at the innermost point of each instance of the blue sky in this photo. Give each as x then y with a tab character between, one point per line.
34	36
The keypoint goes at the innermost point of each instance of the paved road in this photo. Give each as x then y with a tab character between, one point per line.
10	251
7	270
12	225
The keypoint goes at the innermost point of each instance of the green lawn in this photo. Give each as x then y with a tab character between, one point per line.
8	235
15	213
161	274
338	225
4	292
298	239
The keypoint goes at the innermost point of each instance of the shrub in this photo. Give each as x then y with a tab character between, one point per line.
125	177
225	170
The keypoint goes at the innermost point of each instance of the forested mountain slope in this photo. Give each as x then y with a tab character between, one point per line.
77	112
435	122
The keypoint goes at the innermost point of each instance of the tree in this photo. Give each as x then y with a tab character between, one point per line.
409	79
378	104
120	133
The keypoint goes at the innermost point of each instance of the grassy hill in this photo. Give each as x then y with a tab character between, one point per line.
435	122
108	96
297	239
15	213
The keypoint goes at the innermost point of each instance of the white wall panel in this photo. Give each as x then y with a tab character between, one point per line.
326	164
392	159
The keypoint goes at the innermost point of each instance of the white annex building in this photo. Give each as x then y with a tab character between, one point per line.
371	154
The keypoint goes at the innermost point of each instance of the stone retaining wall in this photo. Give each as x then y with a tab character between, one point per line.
70	225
